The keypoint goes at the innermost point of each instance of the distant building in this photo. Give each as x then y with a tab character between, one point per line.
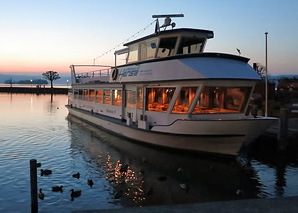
259	91
287	86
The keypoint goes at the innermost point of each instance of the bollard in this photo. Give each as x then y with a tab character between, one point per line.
283	129
33	183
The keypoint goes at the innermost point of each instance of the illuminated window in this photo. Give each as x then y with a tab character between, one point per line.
166	47
222	100
107	96
116	97
140	98
158	99
98	98
91	95
184	99
85	95
131	99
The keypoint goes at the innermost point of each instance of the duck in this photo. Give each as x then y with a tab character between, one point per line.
57	188
90	182
77	175
40	194
74	193
45	172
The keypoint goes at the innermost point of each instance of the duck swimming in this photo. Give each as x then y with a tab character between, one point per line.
45	172
40	194
90	182
74	193
77	175
57	188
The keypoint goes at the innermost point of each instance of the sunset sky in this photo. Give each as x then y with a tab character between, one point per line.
42	35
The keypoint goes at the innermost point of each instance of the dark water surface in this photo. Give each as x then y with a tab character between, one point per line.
124	173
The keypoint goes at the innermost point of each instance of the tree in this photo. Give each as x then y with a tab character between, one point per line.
51	76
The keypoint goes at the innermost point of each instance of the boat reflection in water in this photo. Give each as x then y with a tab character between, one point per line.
142	175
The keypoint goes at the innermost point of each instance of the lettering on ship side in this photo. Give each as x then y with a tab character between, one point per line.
128	72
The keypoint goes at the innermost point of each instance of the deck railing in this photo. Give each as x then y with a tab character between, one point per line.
103	70
94	73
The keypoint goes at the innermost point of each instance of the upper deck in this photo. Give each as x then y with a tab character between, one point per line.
176	54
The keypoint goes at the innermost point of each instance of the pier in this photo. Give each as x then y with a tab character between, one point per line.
36	90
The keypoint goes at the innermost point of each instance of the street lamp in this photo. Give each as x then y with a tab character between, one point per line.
31	82
266	77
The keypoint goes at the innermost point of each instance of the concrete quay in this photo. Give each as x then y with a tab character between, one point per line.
37	90
284	204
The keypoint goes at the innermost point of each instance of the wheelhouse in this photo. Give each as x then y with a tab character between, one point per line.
166	43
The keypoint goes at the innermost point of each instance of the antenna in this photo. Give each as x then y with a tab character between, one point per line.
167	21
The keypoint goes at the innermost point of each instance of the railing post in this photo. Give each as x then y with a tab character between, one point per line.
283	129
33	184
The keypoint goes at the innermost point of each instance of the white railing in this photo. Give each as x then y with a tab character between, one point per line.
103	71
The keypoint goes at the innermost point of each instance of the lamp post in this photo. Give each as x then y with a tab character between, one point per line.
266	79
31	82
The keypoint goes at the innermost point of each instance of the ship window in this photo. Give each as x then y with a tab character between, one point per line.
133	53
148	49
81	94
76	94
130	99
184	99
222	100
98	98
91	95
116	97
191	45
166	47
107	96
158	99
85	95
140	98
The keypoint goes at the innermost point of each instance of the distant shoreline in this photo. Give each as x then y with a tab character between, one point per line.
34	90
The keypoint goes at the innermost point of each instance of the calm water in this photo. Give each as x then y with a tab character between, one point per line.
124	173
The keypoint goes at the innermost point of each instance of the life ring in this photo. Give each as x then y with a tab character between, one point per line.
115	74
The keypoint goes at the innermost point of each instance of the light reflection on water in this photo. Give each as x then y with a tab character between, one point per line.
124	173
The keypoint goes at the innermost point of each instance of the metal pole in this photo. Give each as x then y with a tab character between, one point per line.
266	81
283	128
33	184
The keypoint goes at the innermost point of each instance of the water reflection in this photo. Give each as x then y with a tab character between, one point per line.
143	175
276	169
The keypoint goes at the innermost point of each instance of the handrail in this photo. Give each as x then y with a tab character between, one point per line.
93	73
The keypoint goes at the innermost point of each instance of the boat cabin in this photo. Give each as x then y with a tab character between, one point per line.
166	43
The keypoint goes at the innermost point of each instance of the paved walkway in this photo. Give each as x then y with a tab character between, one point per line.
287	204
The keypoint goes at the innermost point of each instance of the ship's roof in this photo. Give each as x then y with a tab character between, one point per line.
199	32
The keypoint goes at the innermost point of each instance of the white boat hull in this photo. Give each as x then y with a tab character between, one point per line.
224	136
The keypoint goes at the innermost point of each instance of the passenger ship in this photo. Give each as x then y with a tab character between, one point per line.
171	93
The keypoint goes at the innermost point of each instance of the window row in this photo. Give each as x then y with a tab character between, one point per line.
111	97
166	47
210	100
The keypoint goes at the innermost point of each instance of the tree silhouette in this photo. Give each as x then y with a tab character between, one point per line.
51	76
